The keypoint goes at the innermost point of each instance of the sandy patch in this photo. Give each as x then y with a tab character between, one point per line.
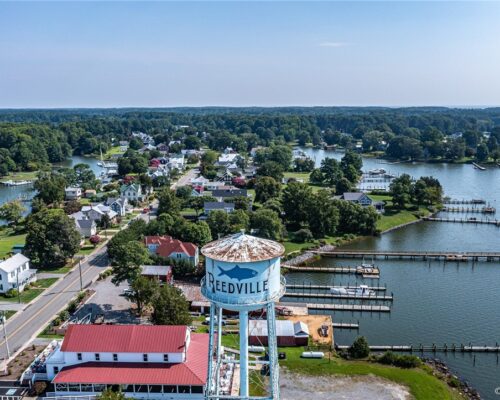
314	322
366	387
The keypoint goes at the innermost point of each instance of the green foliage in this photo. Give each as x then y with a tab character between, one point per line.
295	199
132	162
50	187
169	203
127	261
170	307
51	238
144	291
271	169
401	361
267	224
302	236
266	188
110	394
359	348
12	211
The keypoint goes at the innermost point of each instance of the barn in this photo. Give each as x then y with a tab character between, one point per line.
289	333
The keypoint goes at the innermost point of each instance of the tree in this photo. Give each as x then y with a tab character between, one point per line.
195	232
332	173
218	221
50	187
482	153
239	220
267	223
143	292
135	143
401	190
95	240
351	165
72	207
271	169
359	348
316	176
128	260
303	164
12	211
169	203
84	176
266	188
51	238
170	307
323	214
295	200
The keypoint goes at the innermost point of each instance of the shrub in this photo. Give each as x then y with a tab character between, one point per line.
11	293
359	348
302	236
72	306
38	388
63	315
407	361
387	358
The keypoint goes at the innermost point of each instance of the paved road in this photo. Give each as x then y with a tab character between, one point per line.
186	178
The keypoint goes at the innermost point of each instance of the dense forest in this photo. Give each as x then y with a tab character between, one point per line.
32	138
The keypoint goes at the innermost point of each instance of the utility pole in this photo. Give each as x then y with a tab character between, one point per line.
80	271
2	317
18	289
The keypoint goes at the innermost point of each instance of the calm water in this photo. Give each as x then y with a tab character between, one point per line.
434	302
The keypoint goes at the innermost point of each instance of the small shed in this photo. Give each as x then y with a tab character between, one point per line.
162	273
288	333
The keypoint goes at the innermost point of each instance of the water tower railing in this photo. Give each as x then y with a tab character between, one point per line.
245	300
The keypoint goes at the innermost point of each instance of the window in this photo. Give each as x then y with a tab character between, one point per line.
165	357
56	370
115	357
79	356
145	357
97	357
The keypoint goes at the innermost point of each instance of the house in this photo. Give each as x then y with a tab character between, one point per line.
216	186
161	273
221	194
15	273
118	204
168	247
72	193
200	181
132	192
363	199
217	205
162	148
123	145
89	193
176	161
145	361
86	227
97	211
227	159
288	333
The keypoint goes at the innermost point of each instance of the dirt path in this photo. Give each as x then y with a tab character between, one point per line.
366	387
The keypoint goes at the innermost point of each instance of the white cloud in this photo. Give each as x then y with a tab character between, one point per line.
334	44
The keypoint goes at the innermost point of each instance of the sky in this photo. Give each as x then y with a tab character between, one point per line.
164	54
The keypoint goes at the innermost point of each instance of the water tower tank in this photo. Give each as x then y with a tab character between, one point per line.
242	274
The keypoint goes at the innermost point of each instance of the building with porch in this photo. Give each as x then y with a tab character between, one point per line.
144	361
15	273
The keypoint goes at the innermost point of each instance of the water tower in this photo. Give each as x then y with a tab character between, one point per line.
242	275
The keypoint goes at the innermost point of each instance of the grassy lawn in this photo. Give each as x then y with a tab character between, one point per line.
391	219
44	283
9	239
290	246
9	313
62	270
422	385
20	176
113	151
304	176
26	296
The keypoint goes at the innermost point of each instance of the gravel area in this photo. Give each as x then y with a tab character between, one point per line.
365	387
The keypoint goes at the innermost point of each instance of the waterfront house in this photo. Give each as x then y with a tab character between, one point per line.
288	333
168	247
15	273
132	192
358	198
144	361
72	193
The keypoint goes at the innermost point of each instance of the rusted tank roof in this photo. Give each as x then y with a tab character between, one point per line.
242	248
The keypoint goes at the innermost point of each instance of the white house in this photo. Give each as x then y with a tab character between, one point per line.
15	273
132	192
228	158
72	193
86	227
145	361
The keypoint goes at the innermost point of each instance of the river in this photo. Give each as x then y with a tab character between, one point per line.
434	302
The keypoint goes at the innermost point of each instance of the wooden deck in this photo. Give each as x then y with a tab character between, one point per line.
326	287
348	307
423	255
339	296
433	349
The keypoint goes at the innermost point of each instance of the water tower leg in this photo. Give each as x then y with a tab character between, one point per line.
272	344
244	354
210	379
218	350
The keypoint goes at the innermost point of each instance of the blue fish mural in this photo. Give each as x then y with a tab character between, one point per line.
238	273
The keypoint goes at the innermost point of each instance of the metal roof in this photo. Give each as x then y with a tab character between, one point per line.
12	263
258	327
242	248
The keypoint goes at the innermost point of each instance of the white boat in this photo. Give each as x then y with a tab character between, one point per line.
361	290
377	171
16	183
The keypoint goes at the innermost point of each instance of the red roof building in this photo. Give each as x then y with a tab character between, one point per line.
168	247
145	360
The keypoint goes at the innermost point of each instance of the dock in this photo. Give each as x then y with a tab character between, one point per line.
433	348
345	325
494	222
348	307
479	167
326	287
334	270
464	201
339	296
468	210
412	255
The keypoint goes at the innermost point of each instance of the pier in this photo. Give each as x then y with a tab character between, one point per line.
340	296
433	348
456	201
465	220
412	255
345	325
467	210
309	287
348	307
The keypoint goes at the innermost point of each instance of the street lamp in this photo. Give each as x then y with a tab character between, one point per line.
3	318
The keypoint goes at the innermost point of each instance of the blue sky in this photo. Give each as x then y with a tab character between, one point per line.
116	54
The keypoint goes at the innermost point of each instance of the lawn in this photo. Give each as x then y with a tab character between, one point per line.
9	313
26	296
291	247
422	385
113	151
45	283
20	176
304	176
9	239
391	219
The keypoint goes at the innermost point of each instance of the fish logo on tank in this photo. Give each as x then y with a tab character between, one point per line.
241	281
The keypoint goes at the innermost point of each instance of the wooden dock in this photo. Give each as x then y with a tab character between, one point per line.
433	348
348	307
335	270
456	201
339	296
412	255
494	222
326	287
470	210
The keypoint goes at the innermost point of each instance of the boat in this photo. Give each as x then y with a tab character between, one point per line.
360	291
479	167
10	182
456	257
368	271
377	171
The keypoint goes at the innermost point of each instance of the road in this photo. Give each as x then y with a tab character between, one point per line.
27	324
185	179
